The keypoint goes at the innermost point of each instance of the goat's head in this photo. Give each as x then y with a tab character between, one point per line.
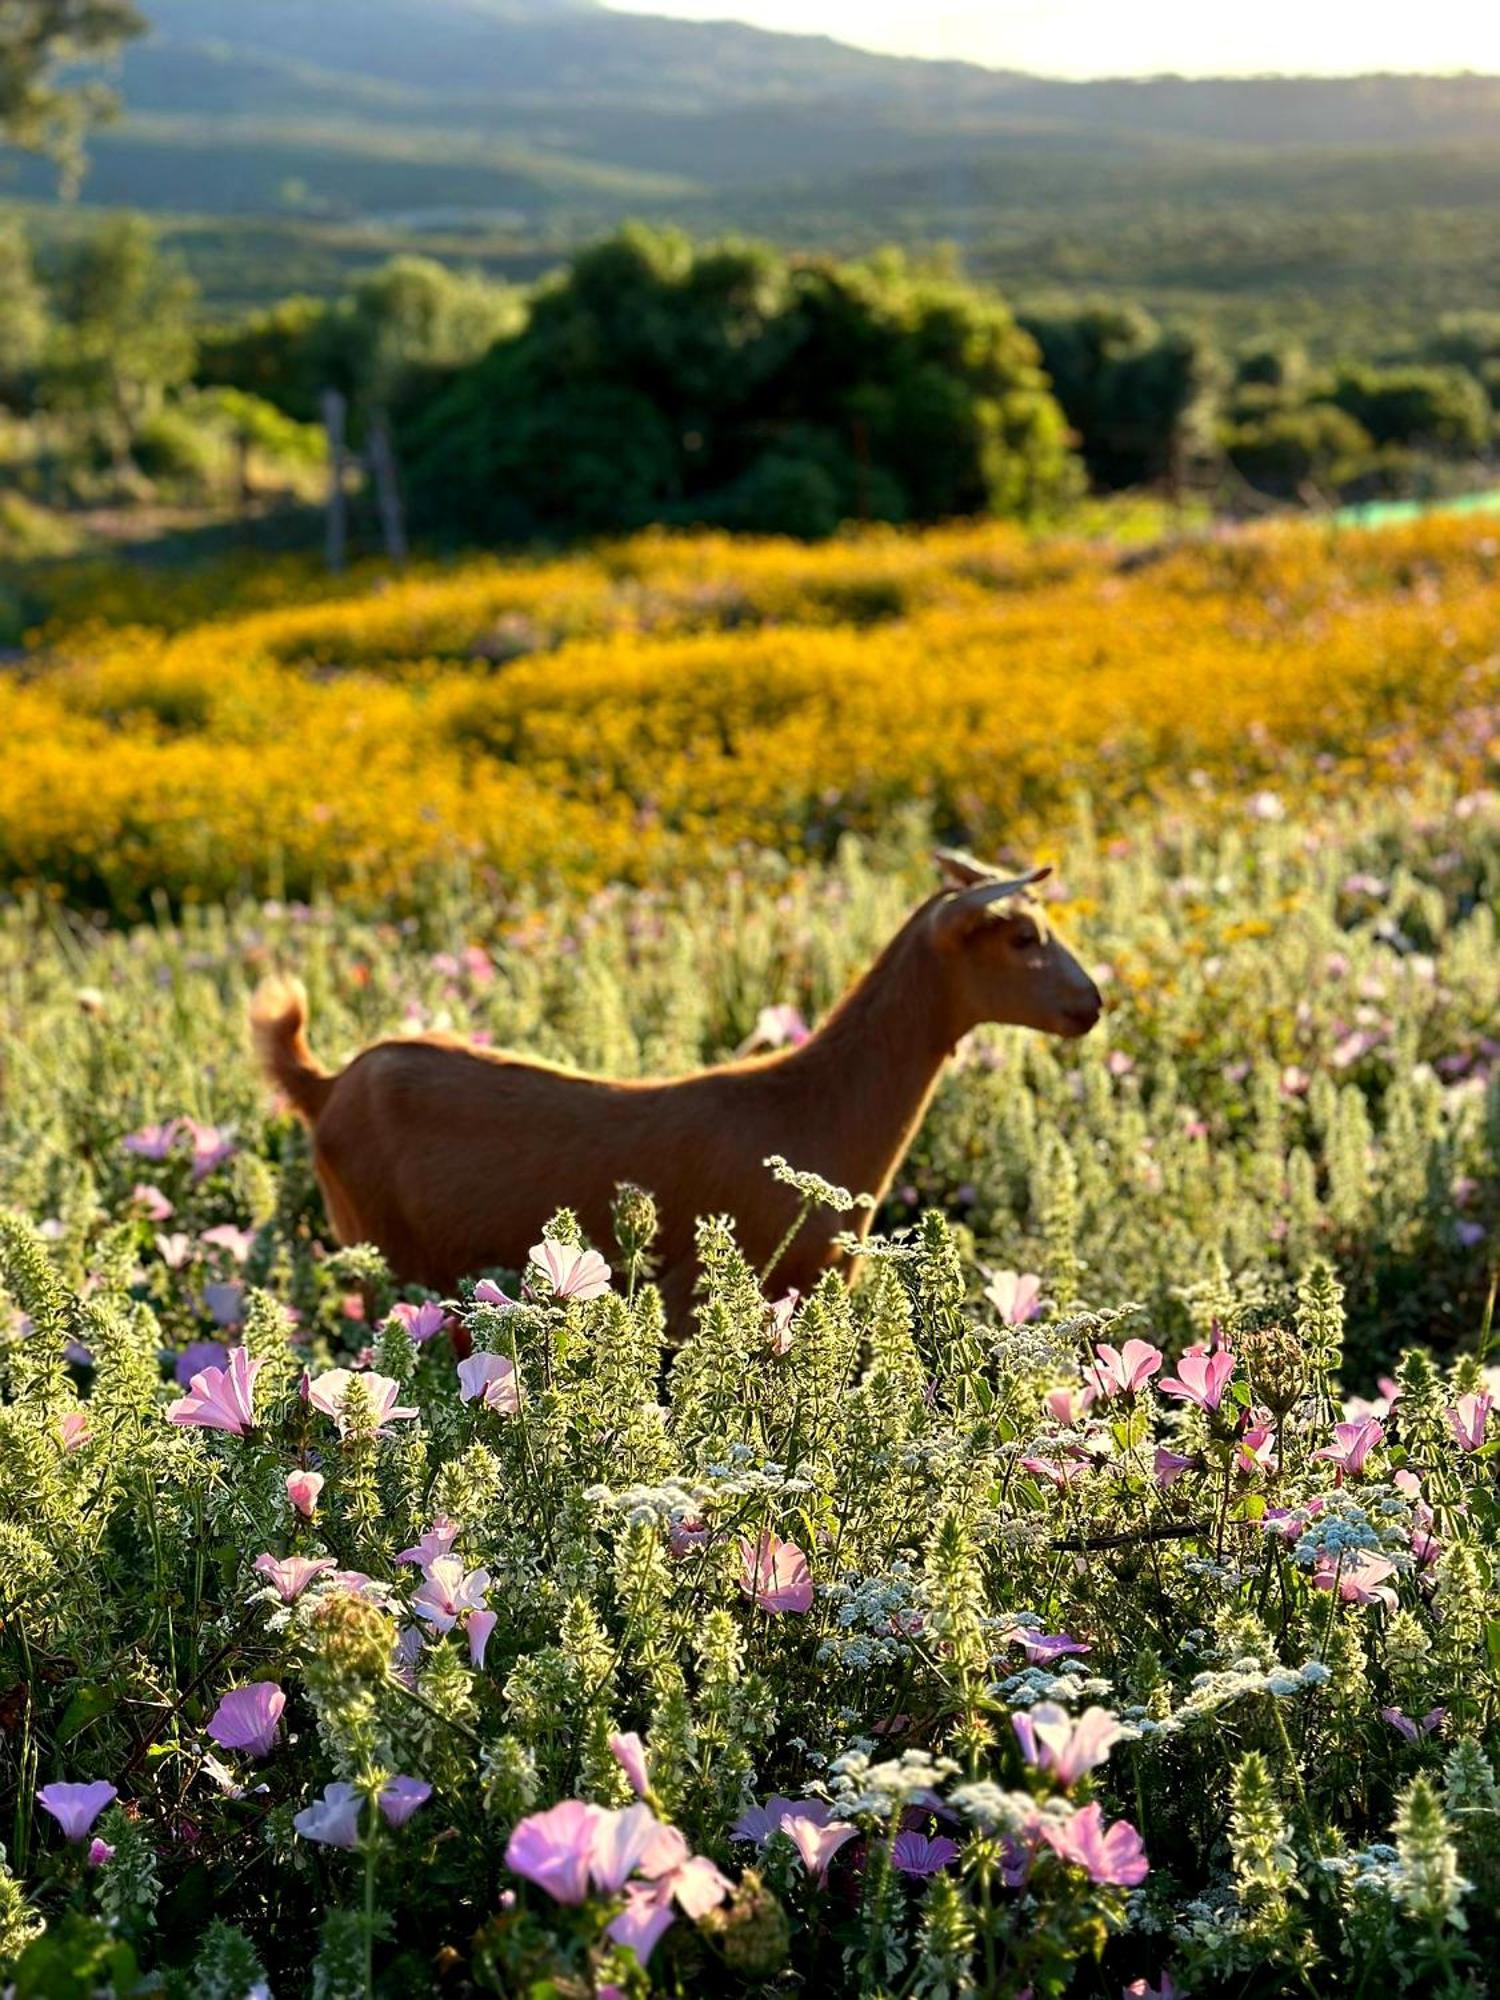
1003	960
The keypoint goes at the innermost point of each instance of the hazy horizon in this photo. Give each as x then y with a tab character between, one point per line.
1094	38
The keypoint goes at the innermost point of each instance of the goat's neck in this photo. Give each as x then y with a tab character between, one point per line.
871	1068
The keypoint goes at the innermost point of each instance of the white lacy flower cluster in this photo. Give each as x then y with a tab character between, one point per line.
875	1618
858	1788
1216	1690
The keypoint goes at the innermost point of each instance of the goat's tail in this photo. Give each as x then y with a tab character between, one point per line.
278	1022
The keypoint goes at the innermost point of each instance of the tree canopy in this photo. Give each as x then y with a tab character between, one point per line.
39	109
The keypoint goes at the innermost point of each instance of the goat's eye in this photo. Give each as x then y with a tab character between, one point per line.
1023	937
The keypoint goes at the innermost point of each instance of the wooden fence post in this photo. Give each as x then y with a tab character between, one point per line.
387	488
335	410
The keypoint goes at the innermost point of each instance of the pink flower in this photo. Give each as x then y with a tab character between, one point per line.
1042	1648
220	1399
211	1146
1468	1418
1253	1451
1169	1466
492	1379
1414	1731
151	1201
1122	1371
1361	1580
1115	1855
778	1027
438	1541
333	1820
1138	1989
1063	1405
915	1854
173	1251
448	1593
646	1916
477	1629
685	1538
74	1429
76	1807
422	1322
555	1848
816	1840
248	1718
100	1851
629	1752
775	1574
1118	1063
1201	1378
630	1840
302	1490
572	1273
401	1798
781	1315
1015	1295
1052	1741
1352	1444
329	1392
488	1293
224	1236
292	1574
1061	1476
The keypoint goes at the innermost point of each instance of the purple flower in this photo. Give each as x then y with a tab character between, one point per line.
1353	1444
100	1851
333	1820
225	1303
199	1354
572	1273
401	1798
555	1849
76	1807
152	1142
915	1854
632	1840
1414	1731
248	1718
422	1322
220	1399
1044	1647
758	1823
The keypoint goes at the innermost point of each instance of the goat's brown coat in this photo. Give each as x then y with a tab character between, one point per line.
451	1157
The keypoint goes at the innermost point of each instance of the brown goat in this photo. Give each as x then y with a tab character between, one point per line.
450	1157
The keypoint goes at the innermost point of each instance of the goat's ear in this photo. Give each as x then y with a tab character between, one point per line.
976	903
960	870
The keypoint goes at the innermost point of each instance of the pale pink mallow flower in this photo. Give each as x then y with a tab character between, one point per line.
572	1273
629	1752
1414	1731
492	1380
302	1490
237	1242
437	1541
76	1807
1254	1449
1053	1742
152	1203
290	1575
401	1798
1352	1445
1469	1417
775	1574
1113	1855
174	1250
248	1718
777	1027
488	1293
1169	1466
633	1841
646	1917
73	1429
816	1840
423	1322
100	1851
220	1399
1361	1579
780	1315
212	1146
477	1630
333	1820
1058	1474
1041	1648
1015	1295
1123	1371
1066	1406
1142	1989
330	1390
1201	1379
555	1849
916	1854
449	1593
152	1142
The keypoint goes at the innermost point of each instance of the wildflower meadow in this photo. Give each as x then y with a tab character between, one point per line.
1099	1597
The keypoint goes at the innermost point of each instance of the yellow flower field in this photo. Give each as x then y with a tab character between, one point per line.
607	715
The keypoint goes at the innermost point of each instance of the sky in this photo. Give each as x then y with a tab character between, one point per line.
1141	37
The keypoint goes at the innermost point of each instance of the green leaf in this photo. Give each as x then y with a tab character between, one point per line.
89	1702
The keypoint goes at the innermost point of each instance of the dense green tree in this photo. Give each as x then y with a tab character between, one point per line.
38	38
277	354
1437	409
1140	399
659	381
1288	448
124	328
